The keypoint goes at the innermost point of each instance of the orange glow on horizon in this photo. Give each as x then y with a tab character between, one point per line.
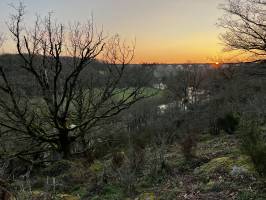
216	65
173	52
166	32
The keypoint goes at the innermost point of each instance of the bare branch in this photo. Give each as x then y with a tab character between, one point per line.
245	26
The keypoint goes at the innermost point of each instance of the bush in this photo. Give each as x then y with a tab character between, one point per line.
57	168
228	123
64	175
254	145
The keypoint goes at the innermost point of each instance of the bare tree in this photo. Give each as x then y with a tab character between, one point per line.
245	25
187	86
67	107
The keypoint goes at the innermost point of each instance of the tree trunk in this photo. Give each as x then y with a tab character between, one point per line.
4	193
65	144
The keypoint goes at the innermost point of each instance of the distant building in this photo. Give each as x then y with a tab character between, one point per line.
160	86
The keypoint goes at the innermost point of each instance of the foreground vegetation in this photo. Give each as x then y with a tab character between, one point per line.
216	172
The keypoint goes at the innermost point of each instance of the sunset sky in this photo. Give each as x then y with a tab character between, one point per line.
166	31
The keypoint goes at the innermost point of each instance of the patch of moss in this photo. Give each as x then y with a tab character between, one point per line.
36	194
96	167
147	196
225	164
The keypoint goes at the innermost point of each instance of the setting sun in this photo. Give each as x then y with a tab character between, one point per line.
216	65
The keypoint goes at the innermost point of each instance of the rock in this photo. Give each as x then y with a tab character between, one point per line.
238	171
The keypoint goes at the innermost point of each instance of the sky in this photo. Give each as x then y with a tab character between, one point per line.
166	31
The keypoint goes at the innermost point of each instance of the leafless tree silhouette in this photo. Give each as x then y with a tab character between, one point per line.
66	109
245	25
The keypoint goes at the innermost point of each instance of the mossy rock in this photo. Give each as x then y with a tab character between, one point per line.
225	164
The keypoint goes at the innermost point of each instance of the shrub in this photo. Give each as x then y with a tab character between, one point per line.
254	145
228	123
57	168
